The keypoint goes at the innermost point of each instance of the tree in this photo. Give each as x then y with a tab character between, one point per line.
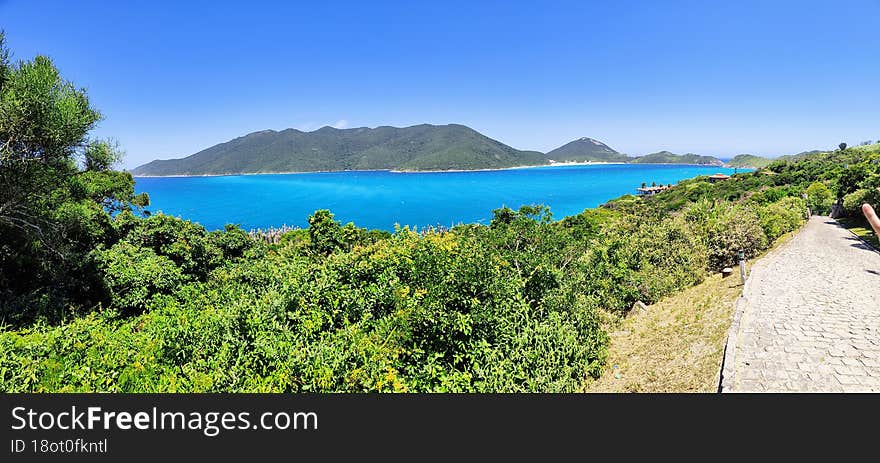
850	179
819	197
57	189
325	234
4	58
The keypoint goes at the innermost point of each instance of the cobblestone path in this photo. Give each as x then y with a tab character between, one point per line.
811	317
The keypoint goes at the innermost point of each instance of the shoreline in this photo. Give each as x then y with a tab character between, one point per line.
395	171
490	169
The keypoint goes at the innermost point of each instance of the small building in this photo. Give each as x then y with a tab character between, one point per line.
652	190
718	177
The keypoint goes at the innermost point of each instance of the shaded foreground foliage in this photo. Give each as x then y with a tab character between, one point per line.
96	297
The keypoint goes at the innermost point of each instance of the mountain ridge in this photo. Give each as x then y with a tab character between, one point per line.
749	161
417	148
423	147
666	157
586	149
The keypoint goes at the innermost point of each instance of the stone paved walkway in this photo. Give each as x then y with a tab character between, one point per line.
811	317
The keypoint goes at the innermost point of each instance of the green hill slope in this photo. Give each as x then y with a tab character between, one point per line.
665	157
749	160
420	147
587	149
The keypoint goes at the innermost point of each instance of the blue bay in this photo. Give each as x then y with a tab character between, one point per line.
379	199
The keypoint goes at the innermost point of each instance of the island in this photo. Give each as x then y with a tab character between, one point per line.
423	147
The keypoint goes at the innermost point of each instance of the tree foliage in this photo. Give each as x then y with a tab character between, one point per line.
819	197
57	191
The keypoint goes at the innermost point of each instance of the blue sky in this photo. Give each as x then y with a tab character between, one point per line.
717	78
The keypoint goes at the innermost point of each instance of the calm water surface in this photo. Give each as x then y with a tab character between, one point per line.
383	199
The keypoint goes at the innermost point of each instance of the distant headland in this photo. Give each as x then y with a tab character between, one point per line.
419	148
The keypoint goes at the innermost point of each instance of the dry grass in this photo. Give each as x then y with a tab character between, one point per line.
678	345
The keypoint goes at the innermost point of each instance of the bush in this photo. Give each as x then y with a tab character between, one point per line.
782	217
852	202
645	263
773	194
455	308
819	198
233	242
325	234
133	275
432	312
184	242
727	229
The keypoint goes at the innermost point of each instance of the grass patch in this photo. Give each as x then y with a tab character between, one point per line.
678	345
860	227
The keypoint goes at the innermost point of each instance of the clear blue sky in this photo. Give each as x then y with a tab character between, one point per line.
718	78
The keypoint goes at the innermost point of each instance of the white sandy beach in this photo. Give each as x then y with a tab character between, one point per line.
552	164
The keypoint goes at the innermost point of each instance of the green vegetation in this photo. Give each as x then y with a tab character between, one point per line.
587	149
420	147
97	297
677	345
665	157
819	197
749	161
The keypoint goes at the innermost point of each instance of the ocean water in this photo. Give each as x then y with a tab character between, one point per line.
378	199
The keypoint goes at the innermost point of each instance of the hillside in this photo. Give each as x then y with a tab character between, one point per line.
749	160
422	147
805	154
416	148
587	149
665	157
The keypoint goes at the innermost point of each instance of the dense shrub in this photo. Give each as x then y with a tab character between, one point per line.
185	243
233	242
646	262
774	194
326	235
589	223
819	198
133	275
781	217
437	312
726	229
851	179
852	202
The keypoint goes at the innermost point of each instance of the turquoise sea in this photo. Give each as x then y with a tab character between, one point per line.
380	199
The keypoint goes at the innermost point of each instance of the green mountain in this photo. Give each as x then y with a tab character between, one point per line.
665	157
802	155
749	160
416	148
587	149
